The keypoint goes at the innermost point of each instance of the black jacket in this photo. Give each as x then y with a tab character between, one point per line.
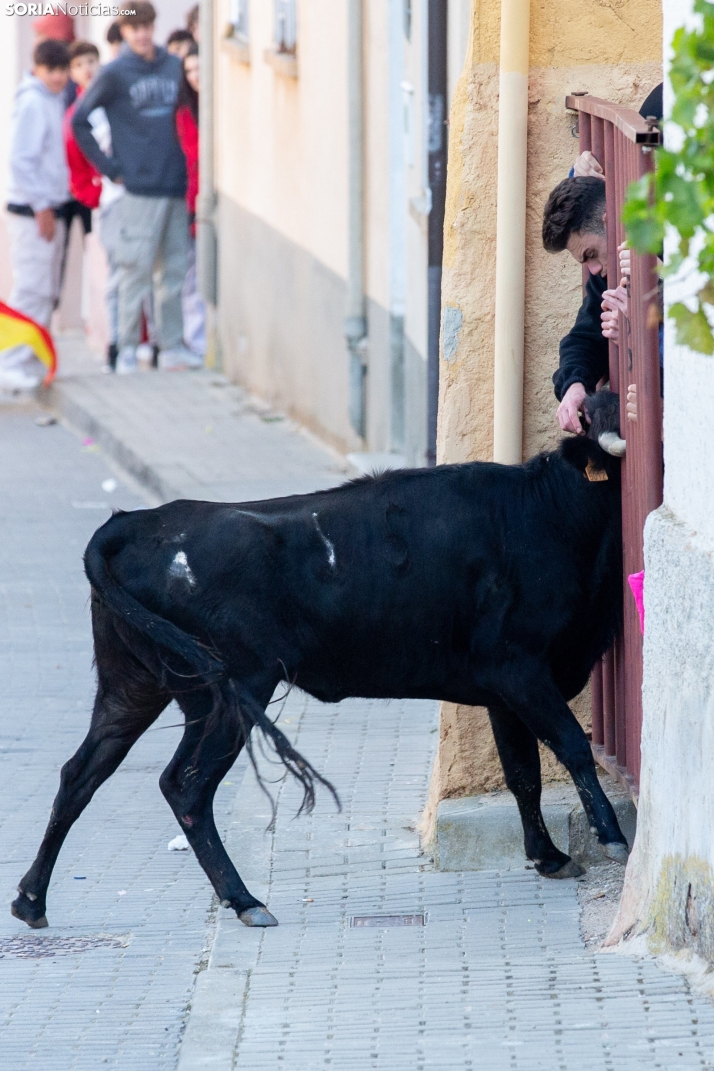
584	352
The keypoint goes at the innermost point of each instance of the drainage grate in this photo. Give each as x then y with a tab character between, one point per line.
382	921
43	947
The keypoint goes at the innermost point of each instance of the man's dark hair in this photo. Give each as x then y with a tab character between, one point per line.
192	18
575	206
114	36
144	14
51	54
82	48
179	35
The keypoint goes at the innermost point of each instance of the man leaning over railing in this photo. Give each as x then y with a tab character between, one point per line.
575	219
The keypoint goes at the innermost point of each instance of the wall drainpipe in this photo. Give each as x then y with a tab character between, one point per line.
355	324
437	156
207	246
511	232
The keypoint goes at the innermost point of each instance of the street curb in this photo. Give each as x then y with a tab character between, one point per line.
486	833
218	1001
59	398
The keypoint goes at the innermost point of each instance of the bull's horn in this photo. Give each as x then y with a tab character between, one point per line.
612	443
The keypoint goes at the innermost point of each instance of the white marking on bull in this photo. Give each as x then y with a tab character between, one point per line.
331	559
181	569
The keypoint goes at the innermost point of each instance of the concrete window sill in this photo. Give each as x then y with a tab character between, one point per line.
237	48
284	63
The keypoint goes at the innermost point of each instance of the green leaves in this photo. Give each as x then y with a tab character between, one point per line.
681	191
643	222
693	328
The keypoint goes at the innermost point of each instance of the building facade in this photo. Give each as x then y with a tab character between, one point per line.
328	118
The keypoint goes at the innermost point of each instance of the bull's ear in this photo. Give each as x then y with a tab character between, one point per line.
577	451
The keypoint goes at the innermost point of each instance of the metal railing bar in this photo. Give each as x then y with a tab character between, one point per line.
627	120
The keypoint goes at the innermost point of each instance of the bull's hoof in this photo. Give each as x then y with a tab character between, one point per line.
257	916
619	853
570	869
29	911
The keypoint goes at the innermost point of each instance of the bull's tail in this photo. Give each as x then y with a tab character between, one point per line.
208	668
250	714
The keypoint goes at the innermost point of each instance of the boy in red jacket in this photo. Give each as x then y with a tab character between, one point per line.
85	182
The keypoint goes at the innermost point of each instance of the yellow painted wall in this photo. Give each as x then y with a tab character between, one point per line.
611	51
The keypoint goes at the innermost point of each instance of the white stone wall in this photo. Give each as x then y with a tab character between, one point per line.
669	892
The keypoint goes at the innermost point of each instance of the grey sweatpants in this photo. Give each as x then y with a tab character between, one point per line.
36	278
152	247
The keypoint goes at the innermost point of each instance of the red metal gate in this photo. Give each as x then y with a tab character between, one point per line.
623	143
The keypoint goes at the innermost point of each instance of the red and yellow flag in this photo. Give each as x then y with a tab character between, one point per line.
16	329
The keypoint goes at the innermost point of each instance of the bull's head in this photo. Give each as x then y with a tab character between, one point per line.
603	411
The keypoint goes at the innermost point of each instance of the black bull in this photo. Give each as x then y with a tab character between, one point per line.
480	584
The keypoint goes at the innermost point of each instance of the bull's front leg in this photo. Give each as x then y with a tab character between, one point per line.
531	693
518	752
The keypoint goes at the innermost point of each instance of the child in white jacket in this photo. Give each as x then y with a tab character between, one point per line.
39	187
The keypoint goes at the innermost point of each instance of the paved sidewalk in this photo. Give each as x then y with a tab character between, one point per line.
195	435
498	976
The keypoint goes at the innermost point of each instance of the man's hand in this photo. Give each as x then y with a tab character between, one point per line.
568	409
611	325
632	402
624	257
46	224
613	303
586	166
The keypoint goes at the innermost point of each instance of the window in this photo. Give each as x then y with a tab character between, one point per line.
286	26
239	18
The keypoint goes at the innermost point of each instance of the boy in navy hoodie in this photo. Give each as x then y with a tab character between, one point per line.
138	92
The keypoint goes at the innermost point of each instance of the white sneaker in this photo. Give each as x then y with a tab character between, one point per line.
18	379
179	357
126	361
144	353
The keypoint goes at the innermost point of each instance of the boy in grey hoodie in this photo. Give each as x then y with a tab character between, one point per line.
39	187
138	92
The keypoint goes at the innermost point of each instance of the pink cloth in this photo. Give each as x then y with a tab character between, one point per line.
637	583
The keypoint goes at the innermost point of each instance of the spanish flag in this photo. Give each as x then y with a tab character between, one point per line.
19	330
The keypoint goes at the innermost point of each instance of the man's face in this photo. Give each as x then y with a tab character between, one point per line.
590	249
83	69
140	39
54	78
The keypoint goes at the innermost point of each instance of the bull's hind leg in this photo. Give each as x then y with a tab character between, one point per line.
542	708
210	745
518	751
128	700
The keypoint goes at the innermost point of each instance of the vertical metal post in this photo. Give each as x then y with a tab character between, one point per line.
511	232
207	245
397	226
355	325
437	157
